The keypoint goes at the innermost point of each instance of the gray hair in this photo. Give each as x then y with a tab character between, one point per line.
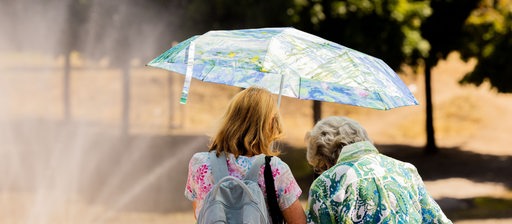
327	138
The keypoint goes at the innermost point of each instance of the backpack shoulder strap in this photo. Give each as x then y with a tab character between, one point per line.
273	205
219	166
252	174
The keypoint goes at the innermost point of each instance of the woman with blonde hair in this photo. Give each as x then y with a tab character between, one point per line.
357	184
249	127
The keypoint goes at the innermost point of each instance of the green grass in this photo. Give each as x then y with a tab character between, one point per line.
483	207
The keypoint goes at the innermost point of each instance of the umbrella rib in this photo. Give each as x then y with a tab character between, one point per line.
382	100
300	86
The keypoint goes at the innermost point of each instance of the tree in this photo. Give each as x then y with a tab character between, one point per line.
477	29
75	21
443	30
124	30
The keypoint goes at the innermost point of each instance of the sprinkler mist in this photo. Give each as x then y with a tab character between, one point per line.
67	152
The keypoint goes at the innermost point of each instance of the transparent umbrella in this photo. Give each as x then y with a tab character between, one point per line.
288	62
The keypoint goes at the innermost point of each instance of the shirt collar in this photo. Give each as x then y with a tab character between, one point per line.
356	150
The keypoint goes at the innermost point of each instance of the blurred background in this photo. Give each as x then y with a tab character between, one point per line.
88	134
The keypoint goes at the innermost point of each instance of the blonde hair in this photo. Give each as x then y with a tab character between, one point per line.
327	138
250	125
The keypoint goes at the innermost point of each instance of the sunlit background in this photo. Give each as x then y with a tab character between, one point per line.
89	134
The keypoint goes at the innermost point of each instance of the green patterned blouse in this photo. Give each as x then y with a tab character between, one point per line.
368	187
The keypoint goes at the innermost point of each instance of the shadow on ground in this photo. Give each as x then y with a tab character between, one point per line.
454	162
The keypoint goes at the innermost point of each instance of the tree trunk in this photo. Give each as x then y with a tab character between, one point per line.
317	111
125	123
66	89
431	147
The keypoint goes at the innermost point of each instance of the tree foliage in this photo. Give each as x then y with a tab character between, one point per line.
443	29
202	16
389	30
488	38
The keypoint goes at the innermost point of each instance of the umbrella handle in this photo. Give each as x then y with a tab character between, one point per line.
188	74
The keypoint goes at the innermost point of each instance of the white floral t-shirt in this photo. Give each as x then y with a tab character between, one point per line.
200	179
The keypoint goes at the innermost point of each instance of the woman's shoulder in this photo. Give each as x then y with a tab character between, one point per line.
402	165
279	163
201	155
276	159
200	158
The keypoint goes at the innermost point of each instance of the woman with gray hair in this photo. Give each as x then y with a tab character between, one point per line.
357	184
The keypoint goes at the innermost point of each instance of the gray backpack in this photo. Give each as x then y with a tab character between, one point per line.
232	200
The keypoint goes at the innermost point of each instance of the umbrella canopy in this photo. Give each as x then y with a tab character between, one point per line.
288	62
